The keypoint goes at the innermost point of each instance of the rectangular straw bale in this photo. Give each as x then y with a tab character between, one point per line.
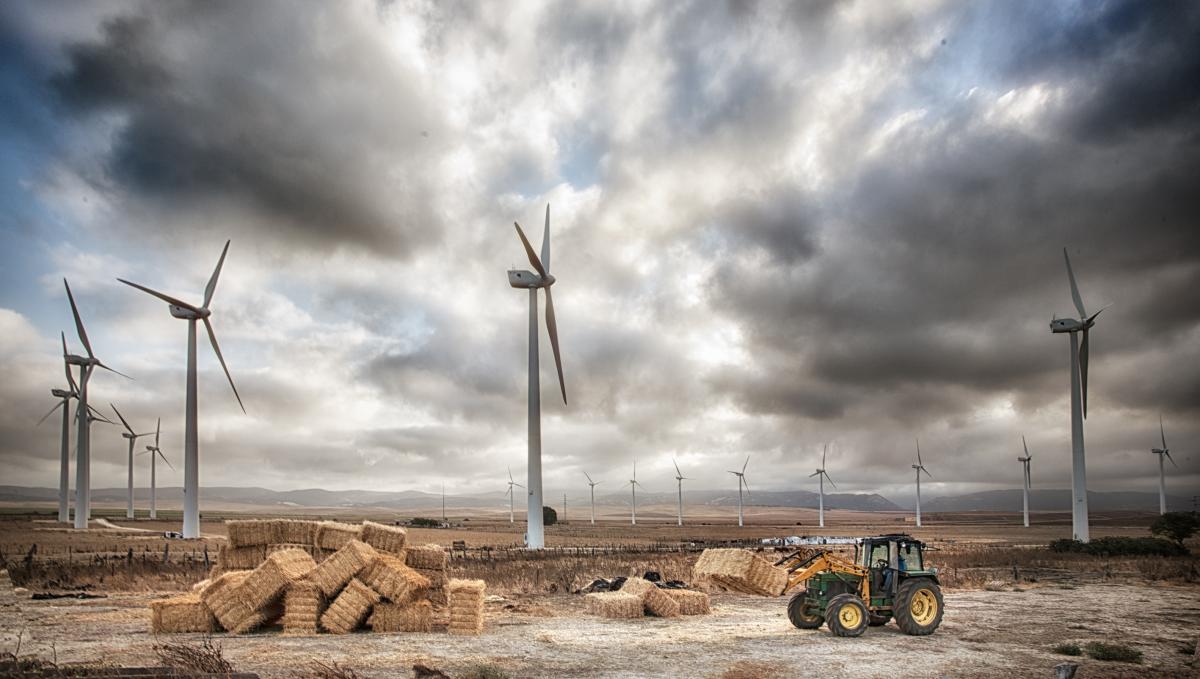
302	607
263	617
350	608
427	557
334	535
740	571
384	538
294	531
249	532
466	606
615	604
416	617
334	572
659	603
280	546
437	596
232	558
223	599
638	586
436	576
185	613
267	582
393	580
690	601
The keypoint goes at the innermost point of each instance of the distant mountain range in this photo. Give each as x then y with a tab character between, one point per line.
997	500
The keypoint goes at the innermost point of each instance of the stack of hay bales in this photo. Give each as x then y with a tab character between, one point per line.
302	607
740	570
466	606
654	600
391	617
332	535
638	597
431	561
332	574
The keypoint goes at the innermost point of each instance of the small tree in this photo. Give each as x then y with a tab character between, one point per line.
549	516
1177	526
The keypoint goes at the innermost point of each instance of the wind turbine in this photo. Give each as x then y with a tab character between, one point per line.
822	476
920	467
83	458
1162	479
742	482
1079	370
1025	462
155	452
191	443
64	468
592	486
512	496
679	478
633	484
132	437
535	538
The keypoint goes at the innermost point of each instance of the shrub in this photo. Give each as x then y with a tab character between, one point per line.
1177	526
1098	650
1121	546
549	516
1068	649
206	658
422	522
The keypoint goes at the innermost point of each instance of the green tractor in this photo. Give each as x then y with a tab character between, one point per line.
887	579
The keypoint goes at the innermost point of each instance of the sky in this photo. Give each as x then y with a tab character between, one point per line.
775	226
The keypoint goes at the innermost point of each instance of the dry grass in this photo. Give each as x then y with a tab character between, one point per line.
319	669
207	657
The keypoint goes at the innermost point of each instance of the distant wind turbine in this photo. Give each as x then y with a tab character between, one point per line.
512	497
535	532
920	467
741	476
633	484
64	465
1162	477
679	478
191	440
154	452
592	486
1025	463
822	476
132	437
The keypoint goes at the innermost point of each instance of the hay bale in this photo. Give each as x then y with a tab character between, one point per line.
350	608
334	535
179	614
250	532
466	606
303	604
741	571
615	605
294	531
384	538
393	580
437	596
260	618
267	582
690	601
388	617
437	577
333	573
655	602
280	546
637	586
222	599
427	557
231	558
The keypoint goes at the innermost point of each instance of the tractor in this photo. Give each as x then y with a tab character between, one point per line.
887	579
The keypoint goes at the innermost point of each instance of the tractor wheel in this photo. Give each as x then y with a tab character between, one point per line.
919	606
803	616
847	616
879	620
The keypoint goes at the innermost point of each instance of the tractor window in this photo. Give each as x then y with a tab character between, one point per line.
910	557
879	552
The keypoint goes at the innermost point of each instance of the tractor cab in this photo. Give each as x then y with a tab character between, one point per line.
890	559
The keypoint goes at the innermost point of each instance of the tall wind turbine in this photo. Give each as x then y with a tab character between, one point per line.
592	486
155	452
132	436
1079	371
633	484
1025	463
1162	478
920	467
741	476
531	281
64	464
679	478
191	441
822	476
83	457
512	497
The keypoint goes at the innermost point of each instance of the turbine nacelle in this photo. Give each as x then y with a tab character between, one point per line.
1070	325
528	280
63	393
188	314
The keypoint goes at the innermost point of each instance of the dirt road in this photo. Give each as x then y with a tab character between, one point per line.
985	634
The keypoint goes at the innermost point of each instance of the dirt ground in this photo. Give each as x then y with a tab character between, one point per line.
984	634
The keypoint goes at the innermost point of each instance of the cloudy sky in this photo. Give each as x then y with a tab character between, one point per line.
774	225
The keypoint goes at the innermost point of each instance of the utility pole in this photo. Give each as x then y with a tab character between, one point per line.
443	503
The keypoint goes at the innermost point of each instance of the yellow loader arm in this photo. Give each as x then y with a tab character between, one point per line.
801	569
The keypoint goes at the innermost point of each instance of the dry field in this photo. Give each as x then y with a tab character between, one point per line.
1008	602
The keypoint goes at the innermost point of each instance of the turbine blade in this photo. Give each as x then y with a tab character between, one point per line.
589	478
217	348
121	417
927	472
166	298
919	452
510	478
546	241
1083	370
212	281
816	473
533	258
745	463
826	450
679	473
509	491
552	329
56	407
157	431
67	366
1168	454
98	417
115	371
1025	445
164	459
746	484
1074	288
78	322
829	479
1162	432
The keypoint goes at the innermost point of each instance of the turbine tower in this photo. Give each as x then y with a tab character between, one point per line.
920	467
741	476
1025	462
83	458
1162	477
1079	371
679	478
191	440
132	437
592	486
822	476
64	465
154	452
535	538
633	484
512	501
